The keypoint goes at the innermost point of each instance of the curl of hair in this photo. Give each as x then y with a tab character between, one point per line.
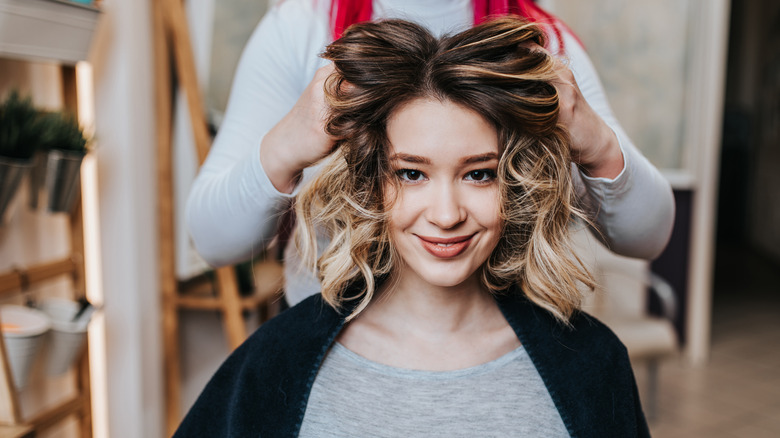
495	69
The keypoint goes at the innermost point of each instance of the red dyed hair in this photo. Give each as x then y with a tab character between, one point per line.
344	13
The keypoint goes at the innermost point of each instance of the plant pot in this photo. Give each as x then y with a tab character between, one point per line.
67	338
37	178
62	179
23	332
11	173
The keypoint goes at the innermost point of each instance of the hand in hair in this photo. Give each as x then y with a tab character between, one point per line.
594	146
299	139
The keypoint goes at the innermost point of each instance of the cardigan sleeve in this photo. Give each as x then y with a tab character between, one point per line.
263	386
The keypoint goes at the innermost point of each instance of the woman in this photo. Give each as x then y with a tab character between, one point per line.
273	132
449	302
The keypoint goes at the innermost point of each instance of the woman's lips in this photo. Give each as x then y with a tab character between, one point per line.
445	247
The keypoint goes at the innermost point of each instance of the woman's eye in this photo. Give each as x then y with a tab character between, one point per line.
410	175
482	175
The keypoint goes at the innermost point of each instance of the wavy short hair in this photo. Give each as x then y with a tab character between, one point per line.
495	69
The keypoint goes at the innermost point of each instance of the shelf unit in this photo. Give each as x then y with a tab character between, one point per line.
51	31
18	280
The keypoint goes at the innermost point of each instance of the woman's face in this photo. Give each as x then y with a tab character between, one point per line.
445	218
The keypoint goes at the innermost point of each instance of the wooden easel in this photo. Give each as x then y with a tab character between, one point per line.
174	58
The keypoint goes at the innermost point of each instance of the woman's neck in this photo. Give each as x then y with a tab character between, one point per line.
421	326
425	307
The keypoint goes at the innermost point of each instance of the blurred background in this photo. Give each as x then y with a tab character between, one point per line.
695	83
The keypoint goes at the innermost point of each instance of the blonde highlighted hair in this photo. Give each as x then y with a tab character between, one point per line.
495	69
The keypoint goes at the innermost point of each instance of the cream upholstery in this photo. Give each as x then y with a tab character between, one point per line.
620	301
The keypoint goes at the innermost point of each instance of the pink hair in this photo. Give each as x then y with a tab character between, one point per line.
344	13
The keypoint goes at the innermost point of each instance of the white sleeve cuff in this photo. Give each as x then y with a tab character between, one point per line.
262	179
619	183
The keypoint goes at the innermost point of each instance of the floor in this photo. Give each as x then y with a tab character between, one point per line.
737	394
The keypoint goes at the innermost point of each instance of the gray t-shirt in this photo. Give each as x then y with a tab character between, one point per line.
355	397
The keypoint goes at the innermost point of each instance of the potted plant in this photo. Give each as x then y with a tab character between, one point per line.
66	147
20	127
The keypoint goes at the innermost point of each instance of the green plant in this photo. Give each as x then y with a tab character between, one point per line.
61	131
20	127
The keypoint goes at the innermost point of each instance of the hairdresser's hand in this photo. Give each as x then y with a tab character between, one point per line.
594	146
299	139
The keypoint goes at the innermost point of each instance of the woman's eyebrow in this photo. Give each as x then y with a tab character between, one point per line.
480	158
416	159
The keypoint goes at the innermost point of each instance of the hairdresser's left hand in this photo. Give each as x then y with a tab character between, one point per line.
594	146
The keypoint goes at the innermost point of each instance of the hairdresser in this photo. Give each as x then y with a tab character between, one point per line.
273	133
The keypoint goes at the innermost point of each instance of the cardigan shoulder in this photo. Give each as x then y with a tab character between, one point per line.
260	390
584	366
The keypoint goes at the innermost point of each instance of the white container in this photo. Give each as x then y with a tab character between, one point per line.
23	332
50	30
66	338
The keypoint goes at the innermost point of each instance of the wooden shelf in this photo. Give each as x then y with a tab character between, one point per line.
46	30
57	31
17	280
11	422
45	419
20	279
17	431
54	415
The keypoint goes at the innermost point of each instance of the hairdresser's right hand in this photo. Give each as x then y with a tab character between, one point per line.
299	139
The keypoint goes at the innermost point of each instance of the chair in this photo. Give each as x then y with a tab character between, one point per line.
620	301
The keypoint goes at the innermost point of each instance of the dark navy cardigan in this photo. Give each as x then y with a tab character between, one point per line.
262	389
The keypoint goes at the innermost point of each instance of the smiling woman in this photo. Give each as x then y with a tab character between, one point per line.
403	101
449	302
445	218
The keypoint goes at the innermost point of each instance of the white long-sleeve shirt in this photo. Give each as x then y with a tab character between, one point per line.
233	208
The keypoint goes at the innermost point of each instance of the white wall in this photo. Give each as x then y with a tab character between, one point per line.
639	50
123	71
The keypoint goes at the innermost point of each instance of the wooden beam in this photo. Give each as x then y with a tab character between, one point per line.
17	432
51	417
165	218
18	279
83	384
70	101
9	400
176	22
235	328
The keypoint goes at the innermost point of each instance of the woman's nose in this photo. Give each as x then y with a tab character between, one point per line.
445	207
